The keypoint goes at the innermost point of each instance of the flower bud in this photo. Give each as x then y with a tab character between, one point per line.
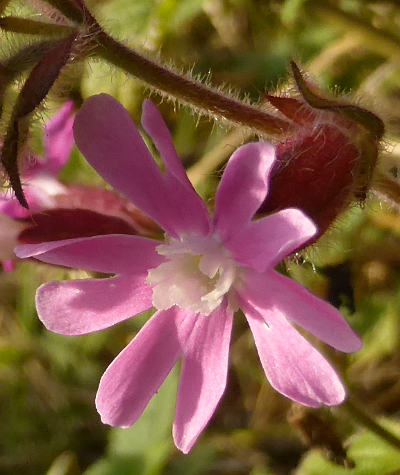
327	163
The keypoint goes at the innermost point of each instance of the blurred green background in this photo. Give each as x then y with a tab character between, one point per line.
48	382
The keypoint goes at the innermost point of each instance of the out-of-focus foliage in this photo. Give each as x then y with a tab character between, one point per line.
47	383
369	453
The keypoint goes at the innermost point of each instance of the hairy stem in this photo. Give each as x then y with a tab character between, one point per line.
185	89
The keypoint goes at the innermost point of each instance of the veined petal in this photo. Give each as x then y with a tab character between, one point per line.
272	290
76	307
112	253
293	367
267	241
203	377
138	371
243	187
58	139
109	140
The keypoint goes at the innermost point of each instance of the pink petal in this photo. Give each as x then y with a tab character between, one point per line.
154	125
138	371
107	137
274	291
10	206
203	377
112	253
267	241
59	139
243	187
76	307
8	265
293	367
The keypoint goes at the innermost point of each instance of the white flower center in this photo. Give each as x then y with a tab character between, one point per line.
198	274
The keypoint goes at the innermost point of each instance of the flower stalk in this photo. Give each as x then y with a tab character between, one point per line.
188	90
185	89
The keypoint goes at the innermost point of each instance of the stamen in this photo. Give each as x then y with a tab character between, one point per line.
198	274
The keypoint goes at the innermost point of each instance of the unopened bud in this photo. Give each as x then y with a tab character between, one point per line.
327	163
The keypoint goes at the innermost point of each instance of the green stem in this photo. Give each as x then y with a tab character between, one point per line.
367	421
322	63
185	89
381	42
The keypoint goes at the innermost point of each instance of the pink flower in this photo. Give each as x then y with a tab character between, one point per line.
39	178
204	270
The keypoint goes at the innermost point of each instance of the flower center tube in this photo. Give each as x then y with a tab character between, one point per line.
198	273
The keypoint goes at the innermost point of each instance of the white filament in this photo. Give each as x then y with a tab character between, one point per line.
198	274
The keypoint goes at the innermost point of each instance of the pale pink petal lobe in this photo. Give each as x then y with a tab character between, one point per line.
112	253
59	139
153	123
293	367
243	187
203	377
110	142
138	371
265	242
273	290
9	205
76	307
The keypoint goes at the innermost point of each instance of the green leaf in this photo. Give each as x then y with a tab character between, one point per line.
144	448
370	454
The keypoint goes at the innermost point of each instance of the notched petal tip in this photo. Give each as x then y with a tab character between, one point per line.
149	110
183	444
243	187
291	364
303	222
353	342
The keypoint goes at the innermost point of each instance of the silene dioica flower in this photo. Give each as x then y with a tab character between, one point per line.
204	271
40	179
40	173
